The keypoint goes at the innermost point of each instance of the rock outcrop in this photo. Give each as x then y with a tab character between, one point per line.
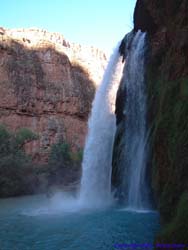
47	84
166	23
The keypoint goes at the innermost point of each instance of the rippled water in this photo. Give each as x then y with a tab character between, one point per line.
39	223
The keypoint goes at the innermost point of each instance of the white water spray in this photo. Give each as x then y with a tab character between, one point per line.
95	190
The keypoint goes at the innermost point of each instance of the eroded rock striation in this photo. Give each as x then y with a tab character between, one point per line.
47	84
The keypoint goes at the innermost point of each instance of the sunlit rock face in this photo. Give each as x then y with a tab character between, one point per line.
47	84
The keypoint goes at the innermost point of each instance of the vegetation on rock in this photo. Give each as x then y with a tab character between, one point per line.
19	175
167	73
168	112
176	231
63	165
16	175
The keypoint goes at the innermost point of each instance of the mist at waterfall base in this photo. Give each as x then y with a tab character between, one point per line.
88	219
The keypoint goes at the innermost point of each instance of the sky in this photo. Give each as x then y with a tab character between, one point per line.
99	23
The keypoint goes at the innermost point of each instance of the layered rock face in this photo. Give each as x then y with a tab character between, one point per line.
166	23
47	84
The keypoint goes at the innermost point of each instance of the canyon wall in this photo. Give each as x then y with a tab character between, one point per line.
166	23
47	84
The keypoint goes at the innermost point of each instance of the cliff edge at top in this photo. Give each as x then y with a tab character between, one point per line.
47	84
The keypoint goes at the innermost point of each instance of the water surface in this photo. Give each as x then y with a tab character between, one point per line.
39	223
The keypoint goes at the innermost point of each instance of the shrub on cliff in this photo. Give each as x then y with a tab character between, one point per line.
64	165
60	156
15	165
23	136
176	231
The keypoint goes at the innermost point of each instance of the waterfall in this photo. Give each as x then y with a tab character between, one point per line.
135	124
95	189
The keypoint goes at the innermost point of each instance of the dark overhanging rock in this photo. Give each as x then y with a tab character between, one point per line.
142	19
122	49
126	44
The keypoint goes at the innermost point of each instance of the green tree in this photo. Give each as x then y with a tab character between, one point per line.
64	165
15	164
60	155
23	136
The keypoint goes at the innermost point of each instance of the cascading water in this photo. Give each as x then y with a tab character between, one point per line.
95	190
135	127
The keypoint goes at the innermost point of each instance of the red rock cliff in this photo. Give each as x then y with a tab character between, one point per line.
47	84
